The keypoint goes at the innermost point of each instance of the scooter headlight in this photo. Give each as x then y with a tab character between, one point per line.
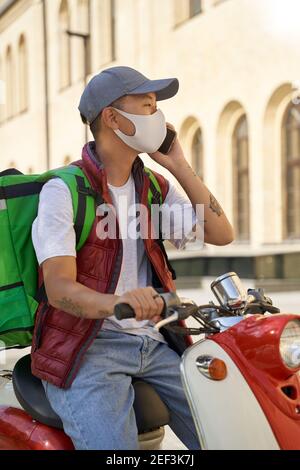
290	344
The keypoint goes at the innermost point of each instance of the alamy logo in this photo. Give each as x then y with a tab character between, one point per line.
173	222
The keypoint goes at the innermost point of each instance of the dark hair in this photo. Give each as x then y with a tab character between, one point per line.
95	125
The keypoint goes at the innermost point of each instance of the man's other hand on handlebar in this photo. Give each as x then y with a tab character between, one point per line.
145	301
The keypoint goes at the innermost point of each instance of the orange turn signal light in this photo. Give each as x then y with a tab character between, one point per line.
217	369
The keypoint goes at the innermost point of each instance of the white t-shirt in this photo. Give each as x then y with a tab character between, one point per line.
53	235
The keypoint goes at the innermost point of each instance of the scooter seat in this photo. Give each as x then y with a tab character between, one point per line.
150	411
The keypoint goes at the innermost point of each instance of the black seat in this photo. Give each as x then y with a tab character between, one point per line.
150	411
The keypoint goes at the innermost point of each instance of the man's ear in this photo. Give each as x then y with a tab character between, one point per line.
109	117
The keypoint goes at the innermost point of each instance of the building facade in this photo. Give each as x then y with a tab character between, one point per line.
237	111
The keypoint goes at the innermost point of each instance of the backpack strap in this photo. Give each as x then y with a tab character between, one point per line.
84	199
86	210
155	195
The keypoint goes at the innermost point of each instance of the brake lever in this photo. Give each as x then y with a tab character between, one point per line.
171	300
260	307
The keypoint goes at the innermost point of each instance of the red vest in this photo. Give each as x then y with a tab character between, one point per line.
61	339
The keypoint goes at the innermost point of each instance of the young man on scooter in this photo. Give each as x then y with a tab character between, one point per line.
85	357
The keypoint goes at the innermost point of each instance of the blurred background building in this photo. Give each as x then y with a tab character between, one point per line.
237	111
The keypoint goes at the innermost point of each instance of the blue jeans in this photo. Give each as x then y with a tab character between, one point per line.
97	410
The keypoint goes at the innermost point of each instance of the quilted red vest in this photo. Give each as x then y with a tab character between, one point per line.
61	339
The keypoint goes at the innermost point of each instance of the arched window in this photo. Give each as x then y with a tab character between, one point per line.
84	54
64	46
9	78
197	153
291	172
23	81
240	166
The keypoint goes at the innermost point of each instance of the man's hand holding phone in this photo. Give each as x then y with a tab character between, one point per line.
166	146
174	156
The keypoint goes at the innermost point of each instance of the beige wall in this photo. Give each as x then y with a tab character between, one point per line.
22	138
238	56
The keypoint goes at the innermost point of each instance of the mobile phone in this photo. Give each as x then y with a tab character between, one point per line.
168	142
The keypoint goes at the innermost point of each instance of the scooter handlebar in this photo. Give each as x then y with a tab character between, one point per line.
124	310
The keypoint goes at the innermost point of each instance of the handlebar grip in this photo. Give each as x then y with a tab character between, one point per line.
122	311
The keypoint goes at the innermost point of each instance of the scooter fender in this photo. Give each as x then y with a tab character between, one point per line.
227	414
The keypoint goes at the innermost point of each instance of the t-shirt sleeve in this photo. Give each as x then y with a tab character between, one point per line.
53	231
179	221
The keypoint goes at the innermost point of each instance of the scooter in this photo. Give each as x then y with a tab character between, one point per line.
241	379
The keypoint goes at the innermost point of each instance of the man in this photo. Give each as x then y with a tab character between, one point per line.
85	357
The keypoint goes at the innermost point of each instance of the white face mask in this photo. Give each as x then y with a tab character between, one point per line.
150	131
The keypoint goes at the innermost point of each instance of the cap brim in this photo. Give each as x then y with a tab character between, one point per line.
164	88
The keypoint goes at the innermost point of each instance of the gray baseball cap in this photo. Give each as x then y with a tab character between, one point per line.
115	82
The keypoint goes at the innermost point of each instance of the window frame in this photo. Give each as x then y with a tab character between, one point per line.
239	175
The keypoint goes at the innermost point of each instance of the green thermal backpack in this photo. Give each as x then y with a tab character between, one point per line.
19	199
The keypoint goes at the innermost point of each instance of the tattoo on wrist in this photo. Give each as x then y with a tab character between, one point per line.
214	205
69	306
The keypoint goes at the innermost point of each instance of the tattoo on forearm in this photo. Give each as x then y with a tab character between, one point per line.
214	205
69	306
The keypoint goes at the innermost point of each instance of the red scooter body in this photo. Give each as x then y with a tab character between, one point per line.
253	344
18	431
